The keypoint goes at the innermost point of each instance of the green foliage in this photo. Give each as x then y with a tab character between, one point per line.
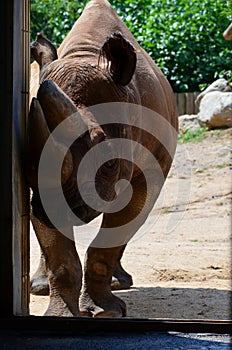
189	135
223	165
54	18
183	37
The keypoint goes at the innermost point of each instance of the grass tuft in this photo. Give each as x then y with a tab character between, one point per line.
189	135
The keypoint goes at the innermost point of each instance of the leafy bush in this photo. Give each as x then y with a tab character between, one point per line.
183	37
54	18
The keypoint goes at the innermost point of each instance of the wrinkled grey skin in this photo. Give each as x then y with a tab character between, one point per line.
71	80
39	282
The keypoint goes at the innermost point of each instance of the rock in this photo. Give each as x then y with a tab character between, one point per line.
218	85
188	122
215	105
216	110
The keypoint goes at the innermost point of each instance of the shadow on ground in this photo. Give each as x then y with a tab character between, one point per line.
186	303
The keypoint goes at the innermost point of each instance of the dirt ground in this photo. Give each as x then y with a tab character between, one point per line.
182	267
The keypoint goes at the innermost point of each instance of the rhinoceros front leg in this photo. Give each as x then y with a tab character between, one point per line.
96	299
63	270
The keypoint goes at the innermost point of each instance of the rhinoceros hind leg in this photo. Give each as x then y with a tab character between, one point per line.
39	285
39	281
121	279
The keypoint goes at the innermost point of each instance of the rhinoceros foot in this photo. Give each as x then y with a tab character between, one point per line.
121	279
102	306
39	285
39	281
57	307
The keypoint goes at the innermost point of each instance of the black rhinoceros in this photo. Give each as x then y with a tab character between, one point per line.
101	82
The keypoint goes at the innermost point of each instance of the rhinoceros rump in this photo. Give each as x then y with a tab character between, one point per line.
99	65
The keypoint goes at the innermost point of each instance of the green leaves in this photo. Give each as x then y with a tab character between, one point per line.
54	18
183	37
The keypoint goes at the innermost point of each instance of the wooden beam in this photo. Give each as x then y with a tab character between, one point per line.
6	73
14	253
20	190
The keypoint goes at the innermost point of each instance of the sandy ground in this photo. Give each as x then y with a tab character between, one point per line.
181	267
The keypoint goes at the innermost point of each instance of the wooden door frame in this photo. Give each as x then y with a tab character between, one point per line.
14	213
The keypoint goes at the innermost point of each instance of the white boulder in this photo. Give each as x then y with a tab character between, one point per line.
218	85
215	109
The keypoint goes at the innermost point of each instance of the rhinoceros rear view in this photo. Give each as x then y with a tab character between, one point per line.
101	139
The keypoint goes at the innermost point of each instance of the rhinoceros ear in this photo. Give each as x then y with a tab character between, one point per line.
43	50
122	57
